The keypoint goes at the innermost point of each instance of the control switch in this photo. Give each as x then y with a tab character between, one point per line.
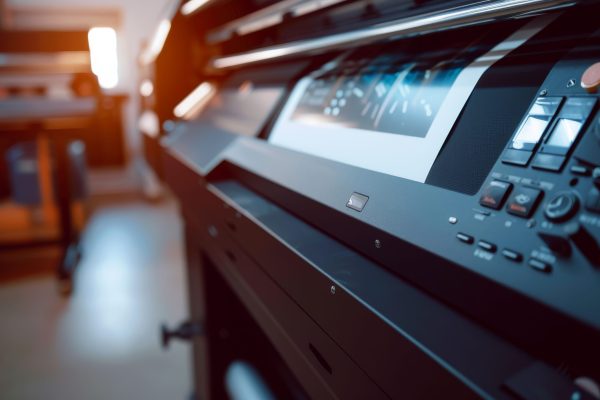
562	207
523	201
585	242
495	194
592	202
557	242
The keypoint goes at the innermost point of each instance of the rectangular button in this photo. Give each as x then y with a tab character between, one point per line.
548	162
530	132
512	255
495	194
523	201
487	246
463	237
539	265
580	170
592	201
562	137
578	108
545	106
516	157
357	201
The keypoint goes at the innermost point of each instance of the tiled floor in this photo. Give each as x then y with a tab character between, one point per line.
102	343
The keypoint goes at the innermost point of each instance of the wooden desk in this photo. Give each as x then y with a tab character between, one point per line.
53	123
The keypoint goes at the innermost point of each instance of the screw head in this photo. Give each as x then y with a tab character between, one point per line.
378	243
544	92
571	83
332	289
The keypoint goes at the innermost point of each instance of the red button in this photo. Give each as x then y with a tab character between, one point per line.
590	80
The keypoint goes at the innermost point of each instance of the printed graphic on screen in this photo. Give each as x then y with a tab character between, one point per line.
390	109
386	95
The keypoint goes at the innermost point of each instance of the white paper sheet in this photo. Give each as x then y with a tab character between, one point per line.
399	155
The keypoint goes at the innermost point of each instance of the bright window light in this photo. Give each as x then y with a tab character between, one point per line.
103	54
192	6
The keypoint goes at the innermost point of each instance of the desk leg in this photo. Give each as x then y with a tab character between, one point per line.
69	240
45	177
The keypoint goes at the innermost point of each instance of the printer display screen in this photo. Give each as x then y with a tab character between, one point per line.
390	109
386	95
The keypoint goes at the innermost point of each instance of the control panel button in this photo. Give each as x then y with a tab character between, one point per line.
357	201
580	170
495	194
590	80
578	108
592	201
571	120
584	241
512	255
562	207
523	201
557	242
463	237
539	265
532	129
530	132
548	162
516	157
487	246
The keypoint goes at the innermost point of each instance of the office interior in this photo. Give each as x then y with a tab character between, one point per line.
299	199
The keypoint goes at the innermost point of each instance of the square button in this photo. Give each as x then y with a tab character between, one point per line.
495	194
548	162
523	201
516	157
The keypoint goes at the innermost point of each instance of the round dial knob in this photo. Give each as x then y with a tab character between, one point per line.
562	206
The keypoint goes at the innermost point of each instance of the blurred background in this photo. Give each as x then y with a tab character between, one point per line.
90	244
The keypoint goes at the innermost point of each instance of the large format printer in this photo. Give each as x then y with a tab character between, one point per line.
391	199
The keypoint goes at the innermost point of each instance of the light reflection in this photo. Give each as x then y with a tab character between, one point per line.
103	55
192	6
194	102
107	320
146	88
157	42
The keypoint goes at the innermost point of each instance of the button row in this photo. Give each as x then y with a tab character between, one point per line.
563	133
489	247
509	254
521	203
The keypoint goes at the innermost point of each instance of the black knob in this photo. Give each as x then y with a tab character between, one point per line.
562	206
584	241
185	331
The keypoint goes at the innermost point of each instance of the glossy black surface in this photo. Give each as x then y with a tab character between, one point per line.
470	296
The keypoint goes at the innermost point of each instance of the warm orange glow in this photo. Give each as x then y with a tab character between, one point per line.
194	102
192	6
103	55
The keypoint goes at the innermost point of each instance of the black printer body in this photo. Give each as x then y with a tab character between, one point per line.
392	199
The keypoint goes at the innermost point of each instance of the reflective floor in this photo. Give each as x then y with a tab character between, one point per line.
102	343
